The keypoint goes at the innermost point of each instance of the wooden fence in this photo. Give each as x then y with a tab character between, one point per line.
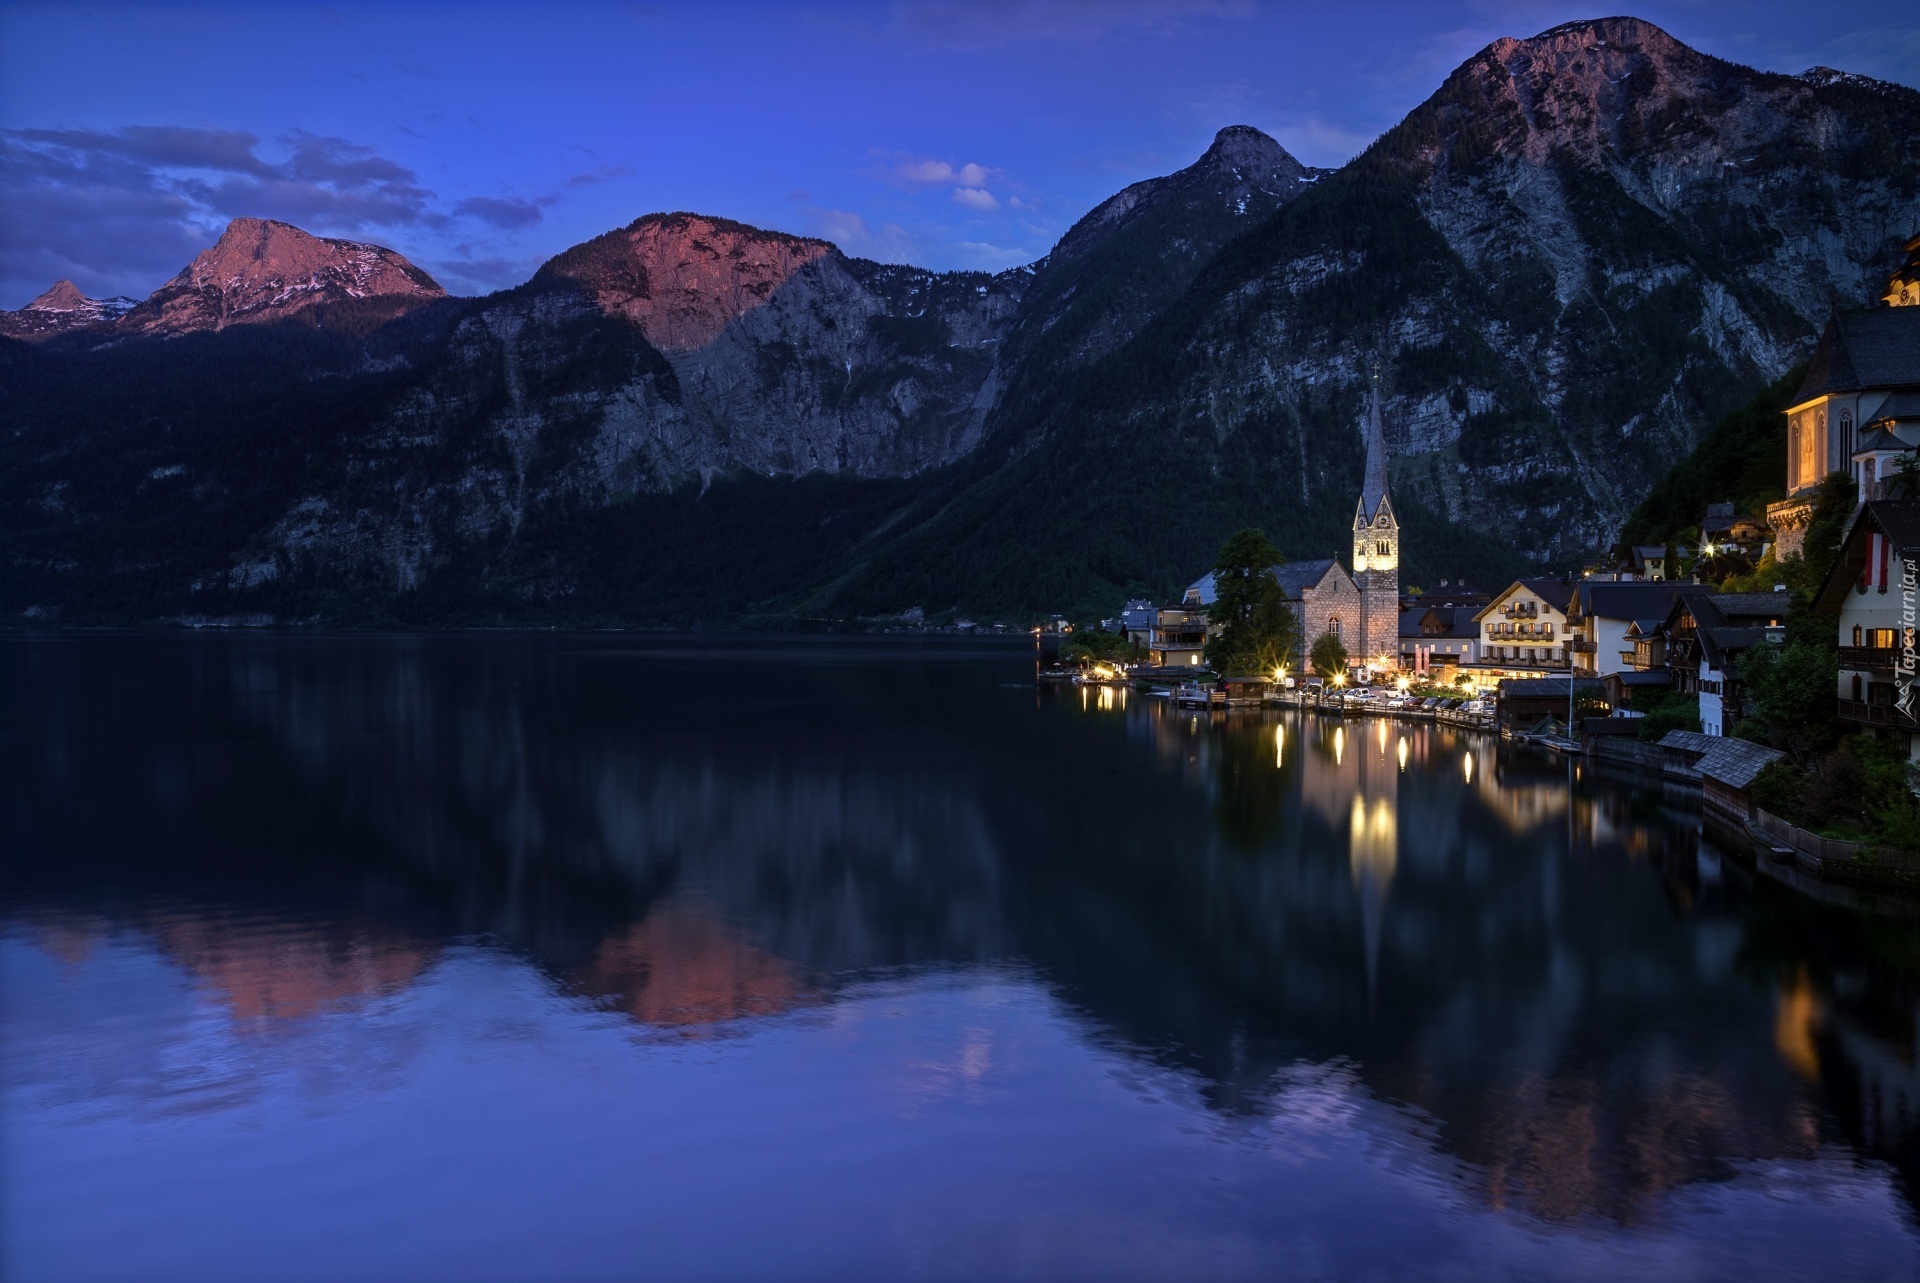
1835	857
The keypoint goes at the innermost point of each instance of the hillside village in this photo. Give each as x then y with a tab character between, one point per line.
1694	635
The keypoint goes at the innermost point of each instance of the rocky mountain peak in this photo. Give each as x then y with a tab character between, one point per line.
682	278
62	296
62	309
1253	154
264	270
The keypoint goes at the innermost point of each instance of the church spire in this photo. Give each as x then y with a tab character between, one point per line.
1374	489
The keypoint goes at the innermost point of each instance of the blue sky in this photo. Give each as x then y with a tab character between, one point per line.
481	139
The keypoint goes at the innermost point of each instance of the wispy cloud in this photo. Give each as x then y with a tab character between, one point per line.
120	210
940	172
975	198
886	243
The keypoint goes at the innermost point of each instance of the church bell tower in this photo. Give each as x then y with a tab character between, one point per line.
1376	555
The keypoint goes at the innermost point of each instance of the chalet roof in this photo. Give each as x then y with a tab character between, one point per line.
1643	677
1736	762
1742	607
1898	519
1631	600
1720	644
1555	592
1871	348
1646	627
1457	622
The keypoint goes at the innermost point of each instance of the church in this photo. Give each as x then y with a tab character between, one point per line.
1361	607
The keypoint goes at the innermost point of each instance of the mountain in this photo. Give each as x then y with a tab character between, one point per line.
261	271
1580	251
62	310
1140	249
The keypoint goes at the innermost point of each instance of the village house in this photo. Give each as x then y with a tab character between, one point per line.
1177	637
1523	631
1722	530
1705	635
1606	621
1439	640
1858	408
1864	591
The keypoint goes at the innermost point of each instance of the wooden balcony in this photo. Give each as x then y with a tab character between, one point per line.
1858	710
1866	657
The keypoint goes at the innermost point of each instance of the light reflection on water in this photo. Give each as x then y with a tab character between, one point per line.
454	958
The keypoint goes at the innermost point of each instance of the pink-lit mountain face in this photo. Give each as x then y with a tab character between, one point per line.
683	278
63	309
258	272
261	271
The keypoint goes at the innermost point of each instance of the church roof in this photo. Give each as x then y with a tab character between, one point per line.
1872	348
1297	576
1900	407
1374	488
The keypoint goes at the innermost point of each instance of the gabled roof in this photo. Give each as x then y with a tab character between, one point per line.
1720	644
1742	607
1555	592
1457	623
1643	677
1898	519
1631	600
1297	576
1736	762
1871	348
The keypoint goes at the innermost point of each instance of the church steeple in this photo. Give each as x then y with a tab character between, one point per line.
1376	550
1374	488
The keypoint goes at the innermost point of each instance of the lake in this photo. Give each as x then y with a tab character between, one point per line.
597	957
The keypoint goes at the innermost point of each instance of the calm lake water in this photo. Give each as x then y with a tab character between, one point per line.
594	958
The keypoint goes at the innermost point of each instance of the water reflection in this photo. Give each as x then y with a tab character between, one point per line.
1551	986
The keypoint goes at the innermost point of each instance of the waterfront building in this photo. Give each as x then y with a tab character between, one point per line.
1524	631
1858	408
1439	640
1703	637
1177	637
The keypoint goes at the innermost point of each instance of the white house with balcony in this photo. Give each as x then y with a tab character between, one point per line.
1873	591
1524	631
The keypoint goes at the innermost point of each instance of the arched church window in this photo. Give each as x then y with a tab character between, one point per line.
1846	434
1381	548
1333	625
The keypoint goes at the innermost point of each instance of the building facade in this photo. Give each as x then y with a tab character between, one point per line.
1524	631
1864	591
1858	409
